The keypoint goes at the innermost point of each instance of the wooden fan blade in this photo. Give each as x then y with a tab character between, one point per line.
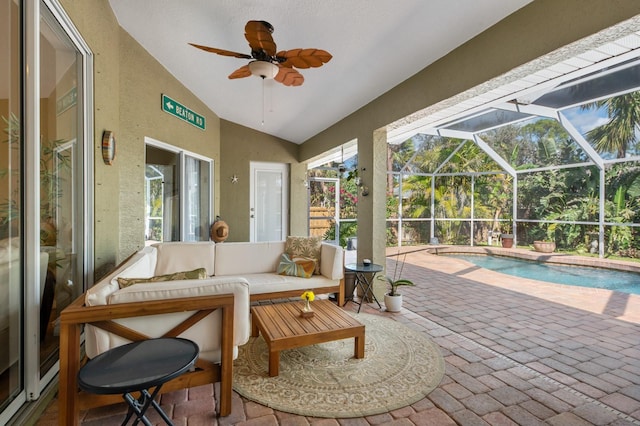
221	51
289	77
258	34
304	58
241	72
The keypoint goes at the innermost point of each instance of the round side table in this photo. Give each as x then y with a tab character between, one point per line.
138	367
365	283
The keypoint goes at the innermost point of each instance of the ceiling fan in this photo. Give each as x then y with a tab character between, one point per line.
266	62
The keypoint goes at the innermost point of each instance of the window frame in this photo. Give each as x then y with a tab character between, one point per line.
182	158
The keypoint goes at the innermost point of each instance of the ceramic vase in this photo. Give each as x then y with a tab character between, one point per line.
307	312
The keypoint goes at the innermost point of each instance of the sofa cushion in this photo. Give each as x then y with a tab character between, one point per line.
273	283
239	258
185	256
333	261
309	247
196	274
296	267
141	264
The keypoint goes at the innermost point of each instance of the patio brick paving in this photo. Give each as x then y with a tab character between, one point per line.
516	351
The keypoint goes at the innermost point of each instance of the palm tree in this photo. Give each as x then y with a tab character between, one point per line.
619	132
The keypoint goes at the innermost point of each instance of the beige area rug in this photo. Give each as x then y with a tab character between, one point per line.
400	367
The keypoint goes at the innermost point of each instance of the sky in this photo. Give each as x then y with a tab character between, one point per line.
585	120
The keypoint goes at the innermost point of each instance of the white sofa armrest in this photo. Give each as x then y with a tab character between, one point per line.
331	264
206	333
140	293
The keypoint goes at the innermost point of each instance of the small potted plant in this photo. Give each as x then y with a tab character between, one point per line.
544	246
393	299
506	238
548	245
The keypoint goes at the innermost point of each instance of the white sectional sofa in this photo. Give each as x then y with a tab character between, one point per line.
246	269
213	312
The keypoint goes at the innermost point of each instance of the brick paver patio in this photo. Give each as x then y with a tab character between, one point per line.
517	352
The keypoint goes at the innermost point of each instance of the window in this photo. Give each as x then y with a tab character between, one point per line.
177	194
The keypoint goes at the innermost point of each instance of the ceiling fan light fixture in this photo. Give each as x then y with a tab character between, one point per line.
263	69
268	62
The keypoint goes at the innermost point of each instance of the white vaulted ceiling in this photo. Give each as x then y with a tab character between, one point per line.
376	44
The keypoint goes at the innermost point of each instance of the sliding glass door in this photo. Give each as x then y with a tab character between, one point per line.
61	171
44	241
11	253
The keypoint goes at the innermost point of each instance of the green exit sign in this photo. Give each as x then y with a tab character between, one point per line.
182	112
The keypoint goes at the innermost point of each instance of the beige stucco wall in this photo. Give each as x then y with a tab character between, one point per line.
142	82
239	147
97	24
128	83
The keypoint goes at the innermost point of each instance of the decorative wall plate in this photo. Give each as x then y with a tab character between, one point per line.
108	147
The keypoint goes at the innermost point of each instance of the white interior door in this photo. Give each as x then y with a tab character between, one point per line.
269	205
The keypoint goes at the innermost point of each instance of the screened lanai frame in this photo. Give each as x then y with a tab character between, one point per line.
554	100
549	94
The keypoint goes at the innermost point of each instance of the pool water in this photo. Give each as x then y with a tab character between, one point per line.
626	282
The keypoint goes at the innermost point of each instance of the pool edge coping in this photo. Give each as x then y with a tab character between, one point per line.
520	253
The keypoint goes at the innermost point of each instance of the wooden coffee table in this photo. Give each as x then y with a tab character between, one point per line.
282	327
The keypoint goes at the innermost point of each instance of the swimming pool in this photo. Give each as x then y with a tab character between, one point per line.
626	282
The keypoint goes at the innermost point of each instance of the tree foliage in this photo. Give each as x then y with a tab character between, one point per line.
547	196
618	135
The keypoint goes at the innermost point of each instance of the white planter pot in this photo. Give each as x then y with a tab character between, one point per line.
393	303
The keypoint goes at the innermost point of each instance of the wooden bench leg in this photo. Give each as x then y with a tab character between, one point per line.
226	362
69	366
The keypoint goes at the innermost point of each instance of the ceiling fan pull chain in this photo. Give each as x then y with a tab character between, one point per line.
263	106
270	96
